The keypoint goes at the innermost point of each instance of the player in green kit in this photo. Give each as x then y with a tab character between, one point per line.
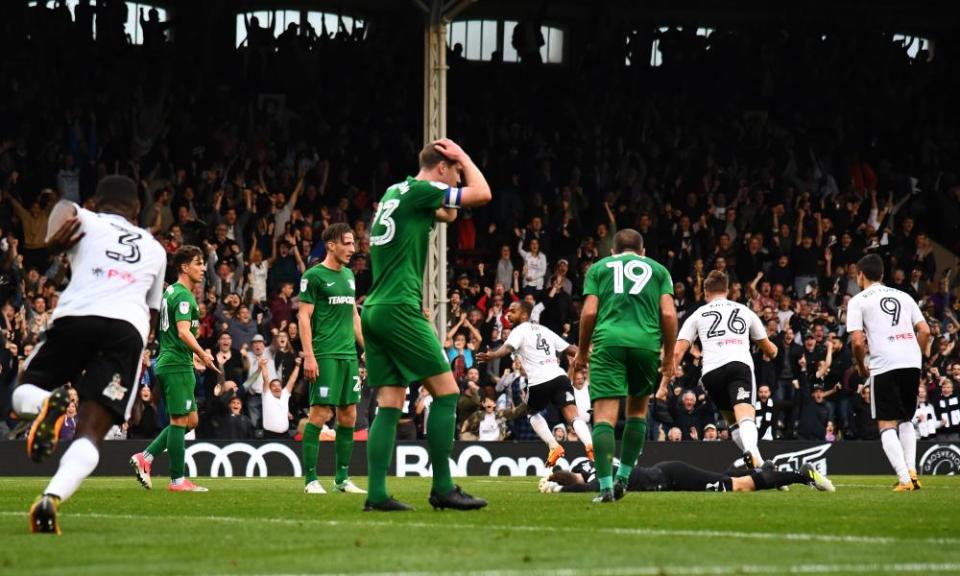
179	323
401	346
329	320
628	312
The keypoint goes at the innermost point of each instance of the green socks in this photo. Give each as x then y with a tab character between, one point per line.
441	428
159	443
631	446
604	444
311	443
342	455
176	448
380	443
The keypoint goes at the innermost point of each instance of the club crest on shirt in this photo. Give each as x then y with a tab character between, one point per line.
115	390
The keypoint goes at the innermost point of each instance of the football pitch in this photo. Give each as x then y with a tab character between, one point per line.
112	526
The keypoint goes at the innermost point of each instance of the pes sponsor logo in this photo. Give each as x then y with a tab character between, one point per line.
900	337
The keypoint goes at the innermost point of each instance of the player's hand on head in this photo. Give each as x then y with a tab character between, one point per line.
450	150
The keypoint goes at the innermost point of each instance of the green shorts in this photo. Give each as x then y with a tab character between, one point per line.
616	372
400	345
178	390
338	382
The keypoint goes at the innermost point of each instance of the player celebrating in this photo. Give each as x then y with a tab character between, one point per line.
628	310
547	383
401	346
96	338
329	320
179	324
725	330
889	318
682	477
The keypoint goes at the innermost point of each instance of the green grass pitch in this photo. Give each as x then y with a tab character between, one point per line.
112	526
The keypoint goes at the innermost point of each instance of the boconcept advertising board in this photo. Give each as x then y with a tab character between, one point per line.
273	458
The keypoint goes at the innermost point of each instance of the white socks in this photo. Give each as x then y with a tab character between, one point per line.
28	399
583	431
894	451
77	463
748	439
908	440
735	436
542	429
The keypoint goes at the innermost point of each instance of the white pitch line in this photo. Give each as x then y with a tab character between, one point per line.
925	568
644	532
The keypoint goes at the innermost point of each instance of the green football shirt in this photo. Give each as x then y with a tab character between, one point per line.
178	305
399	241
628	287
332	295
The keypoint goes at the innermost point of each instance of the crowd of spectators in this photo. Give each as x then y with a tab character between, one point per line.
777	157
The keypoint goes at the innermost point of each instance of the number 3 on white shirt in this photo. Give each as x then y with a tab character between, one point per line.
630	271
383	218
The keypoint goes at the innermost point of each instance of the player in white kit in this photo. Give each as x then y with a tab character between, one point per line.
547	383
891	323
725	329
96	337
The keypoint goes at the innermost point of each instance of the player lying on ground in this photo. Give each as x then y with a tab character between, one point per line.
675	476
547	383
725	330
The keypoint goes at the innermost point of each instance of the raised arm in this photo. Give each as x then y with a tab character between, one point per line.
294	375
296	193
475	191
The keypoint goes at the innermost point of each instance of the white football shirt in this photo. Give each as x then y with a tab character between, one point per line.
117	272
887	316
725	329
537	347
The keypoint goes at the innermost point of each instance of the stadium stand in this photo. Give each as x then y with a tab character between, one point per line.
748	150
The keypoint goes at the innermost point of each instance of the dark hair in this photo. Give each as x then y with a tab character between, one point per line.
627	239
335	232
716	283
527	308
872	267
185	255
118	192
430	156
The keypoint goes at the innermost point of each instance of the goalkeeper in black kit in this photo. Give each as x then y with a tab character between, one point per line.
676	476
